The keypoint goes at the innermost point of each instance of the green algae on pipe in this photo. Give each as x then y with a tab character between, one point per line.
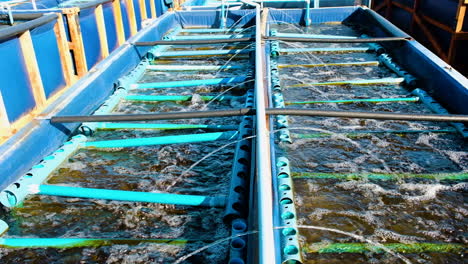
368	100
115	126
165	98
381	176
84	242
360	248
364	63
179	139
128	196
361	133
352	82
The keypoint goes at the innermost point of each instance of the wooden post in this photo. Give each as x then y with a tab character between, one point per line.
388	10
35	80
64	51
461	12
101	26
76	44
131	17
413	13
5	127
143	9
153	9
119	28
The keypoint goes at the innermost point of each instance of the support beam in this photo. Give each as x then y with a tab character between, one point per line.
129	196
64	51
131	17
32	68
101	27
76	43
119	28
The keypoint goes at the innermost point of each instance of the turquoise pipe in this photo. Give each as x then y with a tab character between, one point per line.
321	36
187	83
165	98
130	196
359	133
114	126
33	242
15	193
435	107
221	36
3	227
185	53
353	82
211	30
368	100
307	19
179	139
317	50
172	67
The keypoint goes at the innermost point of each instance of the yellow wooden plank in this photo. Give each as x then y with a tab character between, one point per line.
143	14
35	80
101	26
5	127
76	40
120	31
131	17
64	51
153	9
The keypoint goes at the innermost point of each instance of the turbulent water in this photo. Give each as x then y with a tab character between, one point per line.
182	169
409	210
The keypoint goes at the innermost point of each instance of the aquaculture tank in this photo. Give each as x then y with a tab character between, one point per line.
246	135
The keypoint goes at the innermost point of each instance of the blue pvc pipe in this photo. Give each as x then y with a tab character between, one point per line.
211	30
185	53
32	242
164	198
200	37
321	36
353	82
165	98
187	83
179	139
163	67
337	50
111	126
